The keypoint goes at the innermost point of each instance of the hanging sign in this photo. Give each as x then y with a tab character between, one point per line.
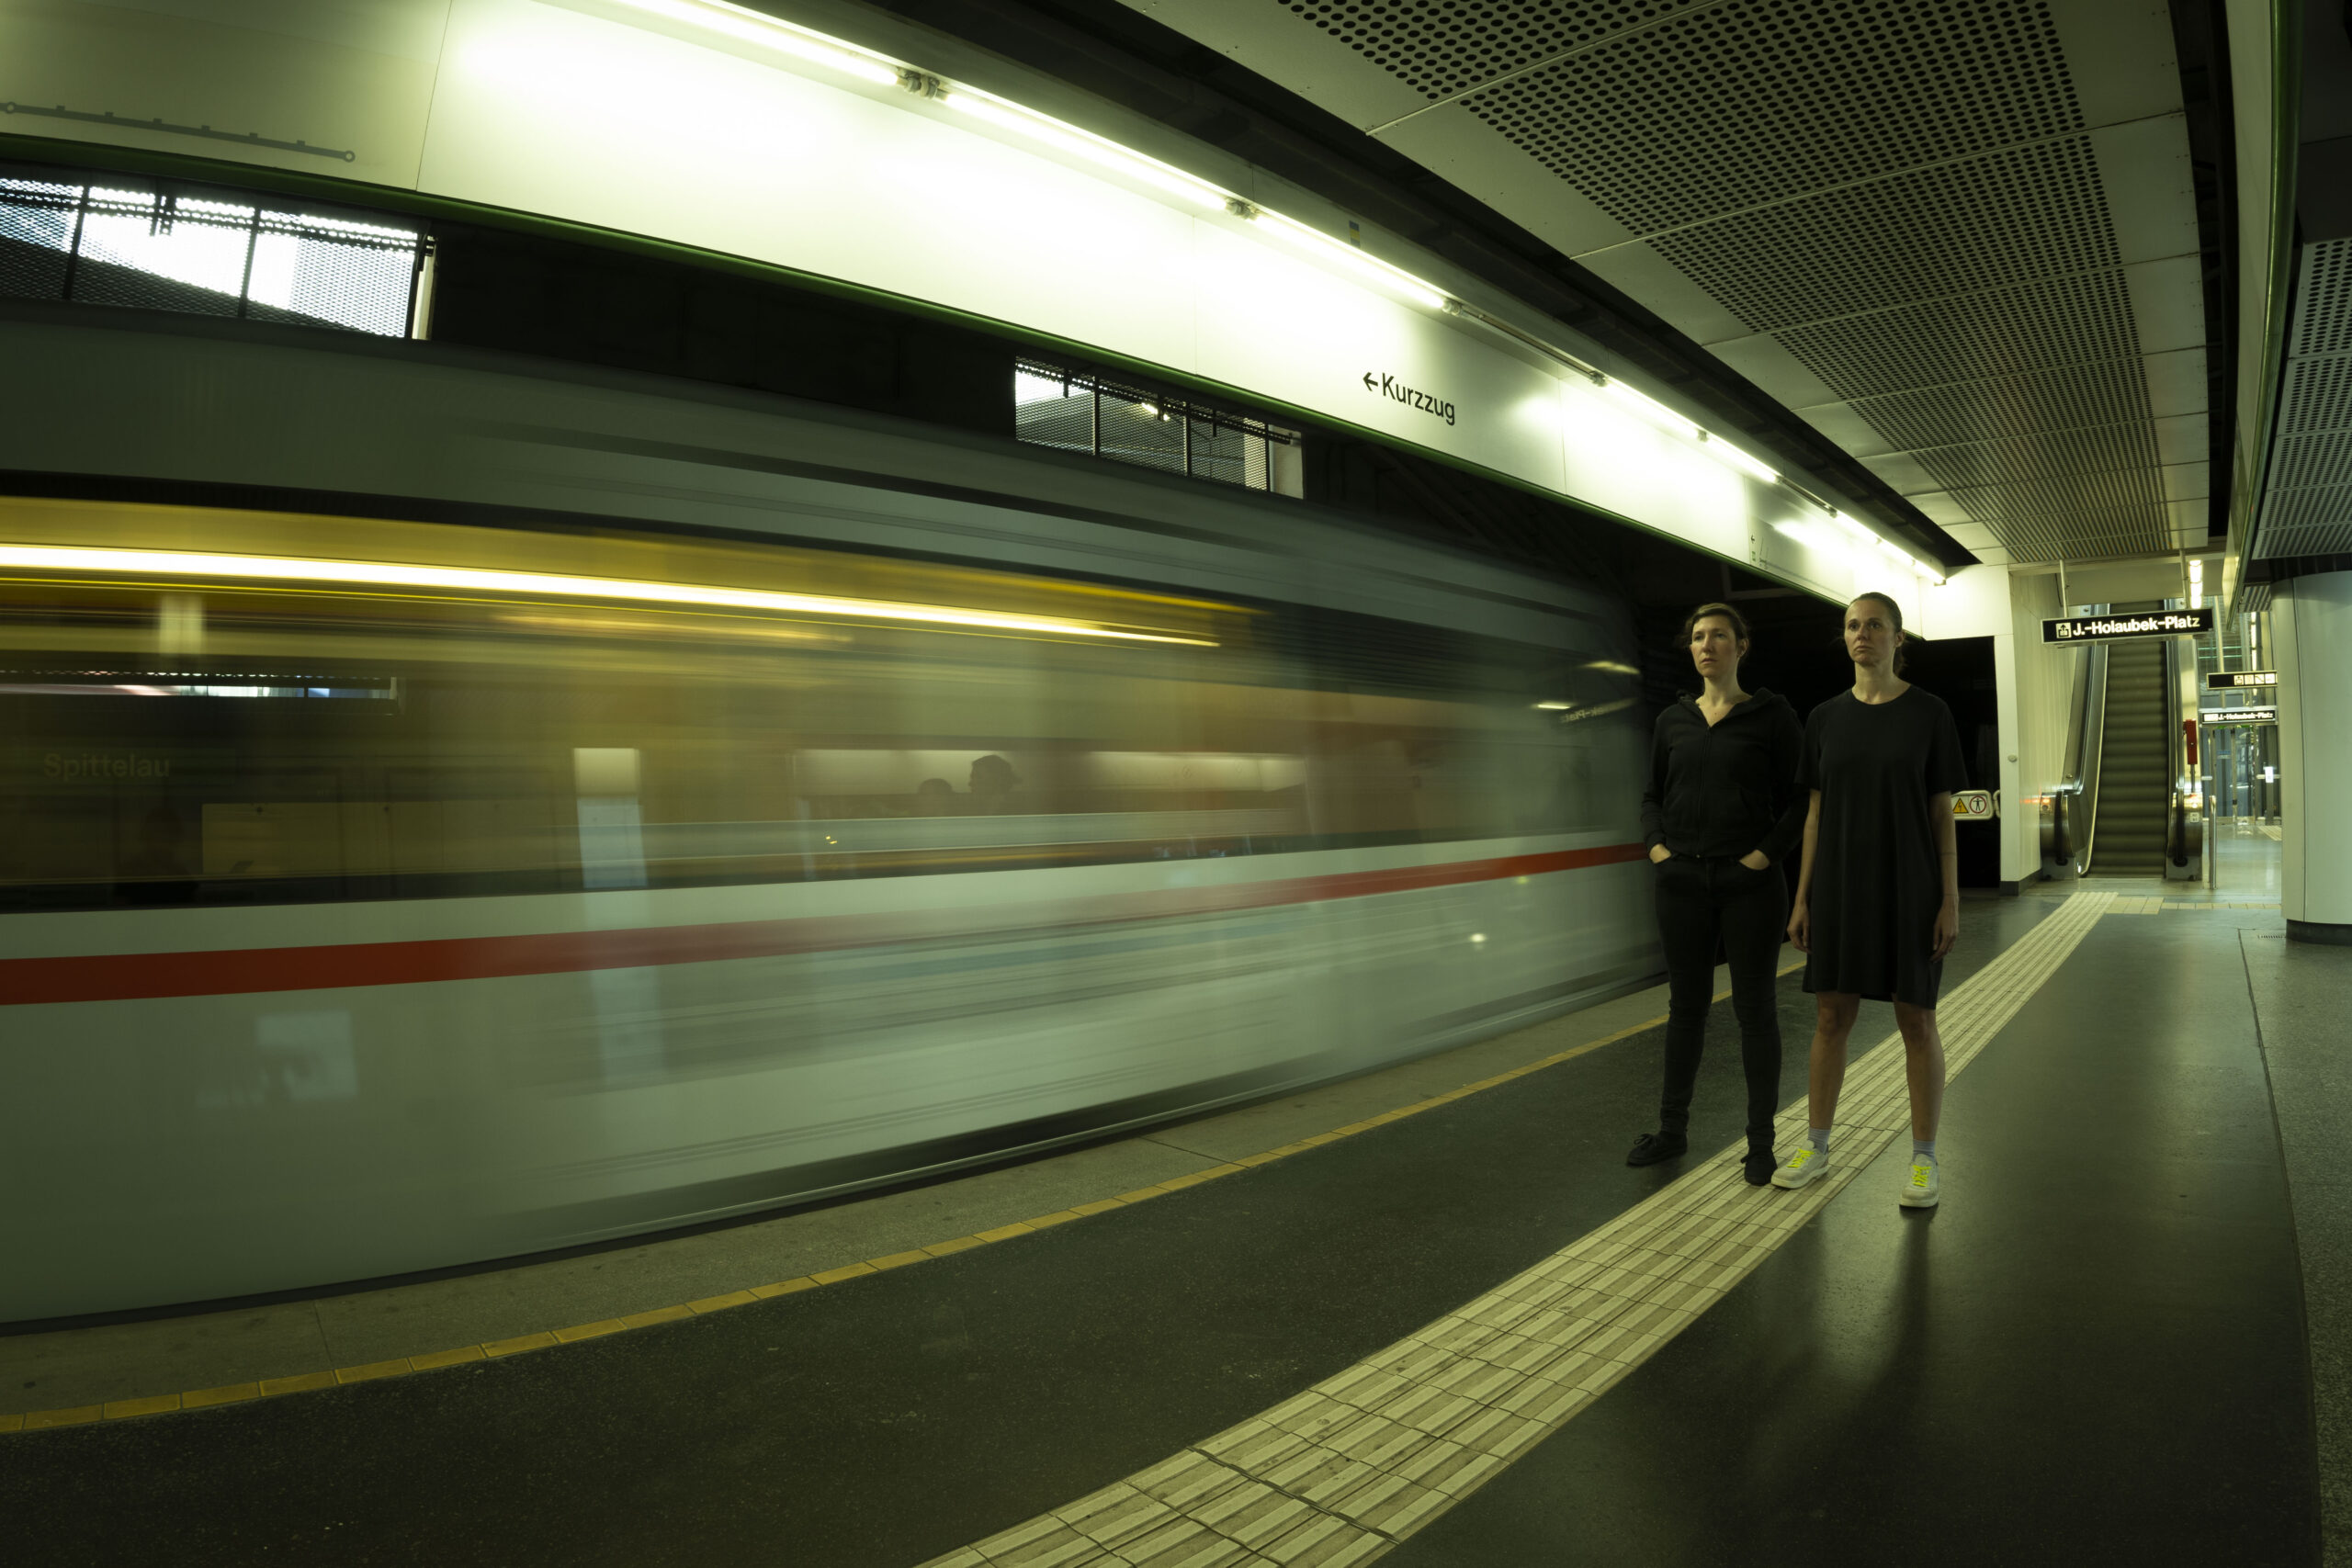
2119	628
1975	805
2240	716
2239	680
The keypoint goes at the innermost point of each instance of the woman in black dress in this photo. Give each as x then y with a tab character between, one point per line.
1722	811
1878	891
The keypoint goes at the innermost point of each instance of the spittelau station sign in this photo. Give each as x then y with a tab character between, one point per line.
2119	628
2238	679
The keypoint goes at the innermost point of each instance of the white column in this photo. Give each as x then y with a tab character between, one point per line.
2020	828
2312	649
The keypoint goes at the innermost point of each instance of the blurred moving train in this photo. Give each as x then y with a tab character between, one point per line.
387	895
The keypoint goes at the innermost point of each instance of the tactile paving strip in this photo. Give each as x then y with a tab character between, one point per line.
1342	1472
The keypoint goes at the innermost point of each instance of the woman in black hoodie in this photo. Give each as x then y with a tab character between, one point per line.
1721	812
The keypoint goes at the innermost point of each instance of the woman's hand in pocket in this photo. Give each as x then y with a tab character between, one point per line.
1660	854
1757	859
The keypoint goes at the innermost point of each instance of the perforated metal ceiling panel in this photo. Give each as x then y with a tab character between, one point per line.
2307	497
1968	219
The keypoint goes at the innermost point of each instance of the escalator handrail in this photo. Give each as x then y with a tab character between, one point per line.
2091	707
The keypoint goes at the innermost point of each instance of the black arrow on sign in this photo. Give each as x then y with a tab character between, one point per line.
1367	382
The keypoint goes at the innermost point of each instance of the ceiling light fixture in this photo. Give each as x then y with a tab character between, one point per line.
473	580
1325	248
1743	461
1674	423
767	32
1650	409
1096	150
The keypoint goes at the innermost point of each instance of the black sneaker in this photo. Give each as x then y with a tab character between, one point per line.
1651	1148
1758	1166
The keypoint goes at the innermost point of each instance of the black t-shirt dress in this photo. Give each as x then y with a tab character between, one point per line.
1877	881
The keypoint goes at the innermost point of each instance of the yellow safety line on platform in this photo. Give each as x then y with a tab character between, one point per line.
197	1399
1340	1474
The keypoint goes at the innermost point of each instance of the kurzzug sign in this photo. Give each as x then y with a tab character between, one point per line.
1389	386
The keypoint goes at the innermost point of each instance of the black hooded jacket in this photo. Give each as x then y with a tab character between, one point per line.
1728	788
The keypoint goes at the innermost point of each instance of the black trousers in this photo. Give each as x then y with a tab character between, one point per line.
1704	905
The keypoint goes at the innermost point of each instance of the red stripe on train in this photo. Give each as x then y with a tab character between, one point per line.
128	975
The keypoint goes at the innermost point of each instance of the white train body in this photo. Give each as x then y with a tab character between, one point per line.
286	1008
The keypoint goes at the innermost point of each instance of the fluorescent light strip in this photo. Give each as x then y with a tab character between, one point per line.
395	574
1673	424
1396	279
1806	535
767	32
1852	545
1650	409
1745	462
751	27
1084	144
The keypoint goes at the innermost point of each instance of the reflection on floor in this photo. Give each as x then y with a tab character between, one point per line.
2247	859
2246	876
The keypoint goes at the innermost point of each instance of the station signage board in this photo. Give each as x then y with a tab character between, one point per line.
2239	680
2124	627
1975	805
2240	716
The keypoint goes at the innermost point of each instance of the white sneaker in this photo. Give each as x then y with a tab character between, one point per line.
1919	1186
1804	1165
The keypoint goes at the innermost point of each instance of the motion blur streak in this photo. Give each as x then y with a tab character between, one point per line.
370	915
115	977
394	574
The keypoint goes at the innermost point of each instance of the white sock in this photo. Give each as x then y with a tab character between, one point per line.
1820	1139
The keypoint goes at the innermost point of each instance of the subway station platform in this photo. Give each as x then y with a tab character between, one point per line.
1427	1314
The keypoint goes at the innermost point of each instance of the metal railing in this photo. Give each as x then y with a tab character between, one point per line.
2076	800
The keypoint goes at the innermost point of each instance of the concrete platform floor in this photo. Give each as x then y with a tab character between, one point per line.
2113	1292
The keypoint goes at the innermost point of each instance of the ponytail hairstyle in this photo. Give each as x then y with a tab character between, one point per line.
1738	624
1894	614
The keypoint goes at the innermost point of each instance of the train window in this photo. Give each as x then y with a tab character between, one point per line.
506	731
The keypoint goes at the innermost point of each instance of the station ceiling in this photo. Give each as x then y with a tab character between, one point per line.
2306	511
1960	239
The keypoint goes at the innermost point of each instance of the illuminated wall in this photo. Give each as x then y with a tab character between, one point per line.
714	128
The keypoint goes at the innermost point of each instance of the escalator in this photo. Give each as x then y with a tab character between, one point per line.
2126	802
2135	764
